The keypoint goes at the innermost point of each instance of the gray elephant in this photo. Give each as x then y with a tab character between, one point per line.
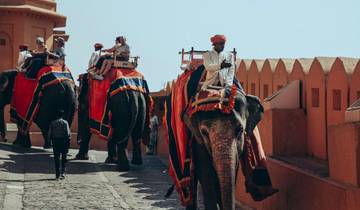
129	112
61	95
217	148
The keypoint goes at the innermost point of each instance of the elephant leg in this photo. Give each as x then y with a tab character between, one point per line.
111	147
194	204
47	142
84	146
23	140
136	141
136	154
206	174
138	131
123	162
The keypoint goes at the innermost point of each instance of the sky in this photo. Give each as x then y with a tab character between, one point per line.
156	30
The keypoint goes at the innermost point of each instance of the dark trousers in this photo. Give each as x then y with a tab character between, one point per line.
60	149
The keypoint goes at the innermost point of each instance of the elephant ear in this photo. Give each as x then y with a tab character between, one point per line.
255	111
4	81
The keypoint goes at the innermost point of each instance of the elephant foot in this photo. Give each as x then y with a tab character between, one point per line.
136	155
136	160
47	146
110	160
16	142
123	162
26	144
81	156
123	167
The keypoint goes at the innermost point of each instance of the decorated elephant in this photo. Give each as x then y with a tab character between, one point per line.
129	114
210	133
53	90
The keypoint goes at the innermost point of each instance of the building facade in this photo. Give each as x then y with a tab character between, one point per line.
22	21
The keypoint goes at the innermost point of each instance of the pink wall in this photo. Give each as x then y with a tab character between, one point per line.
266	79
355	84
316	111
297	73
254	79
242	75
337	93
280	76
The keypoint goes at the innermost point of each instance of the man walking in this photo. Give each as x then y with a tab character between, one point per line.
59	134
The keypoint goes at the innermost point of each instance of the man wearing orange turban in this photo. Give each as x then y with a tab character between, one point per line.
95	55
219	65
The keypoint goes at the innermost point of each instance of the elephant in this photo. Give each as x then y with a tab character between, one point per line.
129	113
54	97
218	147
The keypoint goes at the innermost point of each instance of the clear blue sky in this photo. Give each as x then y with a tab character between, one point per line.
157	29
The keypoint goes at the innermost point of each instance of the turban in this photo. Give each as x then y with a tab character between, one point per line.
23	47
98	45
218	38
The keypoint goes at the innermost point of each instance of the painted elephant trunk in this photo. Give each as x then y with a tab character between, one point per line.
225	160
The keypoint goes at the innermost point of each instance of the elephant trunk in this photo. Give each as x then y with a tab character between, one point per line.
225	160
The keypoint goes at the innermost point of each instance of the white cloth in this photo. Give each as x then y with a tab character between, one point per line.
214	74
22	57
94	58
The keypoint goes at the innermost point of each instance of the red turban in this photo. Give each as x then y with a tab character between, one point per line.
23	47
218	38
98	45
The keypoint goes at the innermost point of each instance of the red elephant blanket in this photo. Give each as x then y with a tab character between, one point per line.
185	98
100	91
27	93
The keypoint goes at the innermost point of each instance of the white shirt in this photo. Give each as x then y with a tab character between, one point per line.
214	75
23	56
94	58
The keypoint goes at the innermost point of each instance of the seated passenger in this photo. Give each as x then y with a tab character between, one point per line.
60	48
219	65
95	56
24	56
40	46
121	52
38	59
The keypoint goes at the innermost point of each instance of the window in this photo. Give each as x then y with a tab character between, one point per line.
266	90
2	42
315	97
253	88
337	100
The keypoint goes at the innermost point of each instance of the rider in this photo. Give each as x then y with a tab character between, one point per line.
38	58
60	48
95	56
219	65
24	54
121	52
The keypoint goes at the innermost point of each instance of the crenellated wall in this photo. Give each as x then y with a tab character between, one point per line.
313	154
